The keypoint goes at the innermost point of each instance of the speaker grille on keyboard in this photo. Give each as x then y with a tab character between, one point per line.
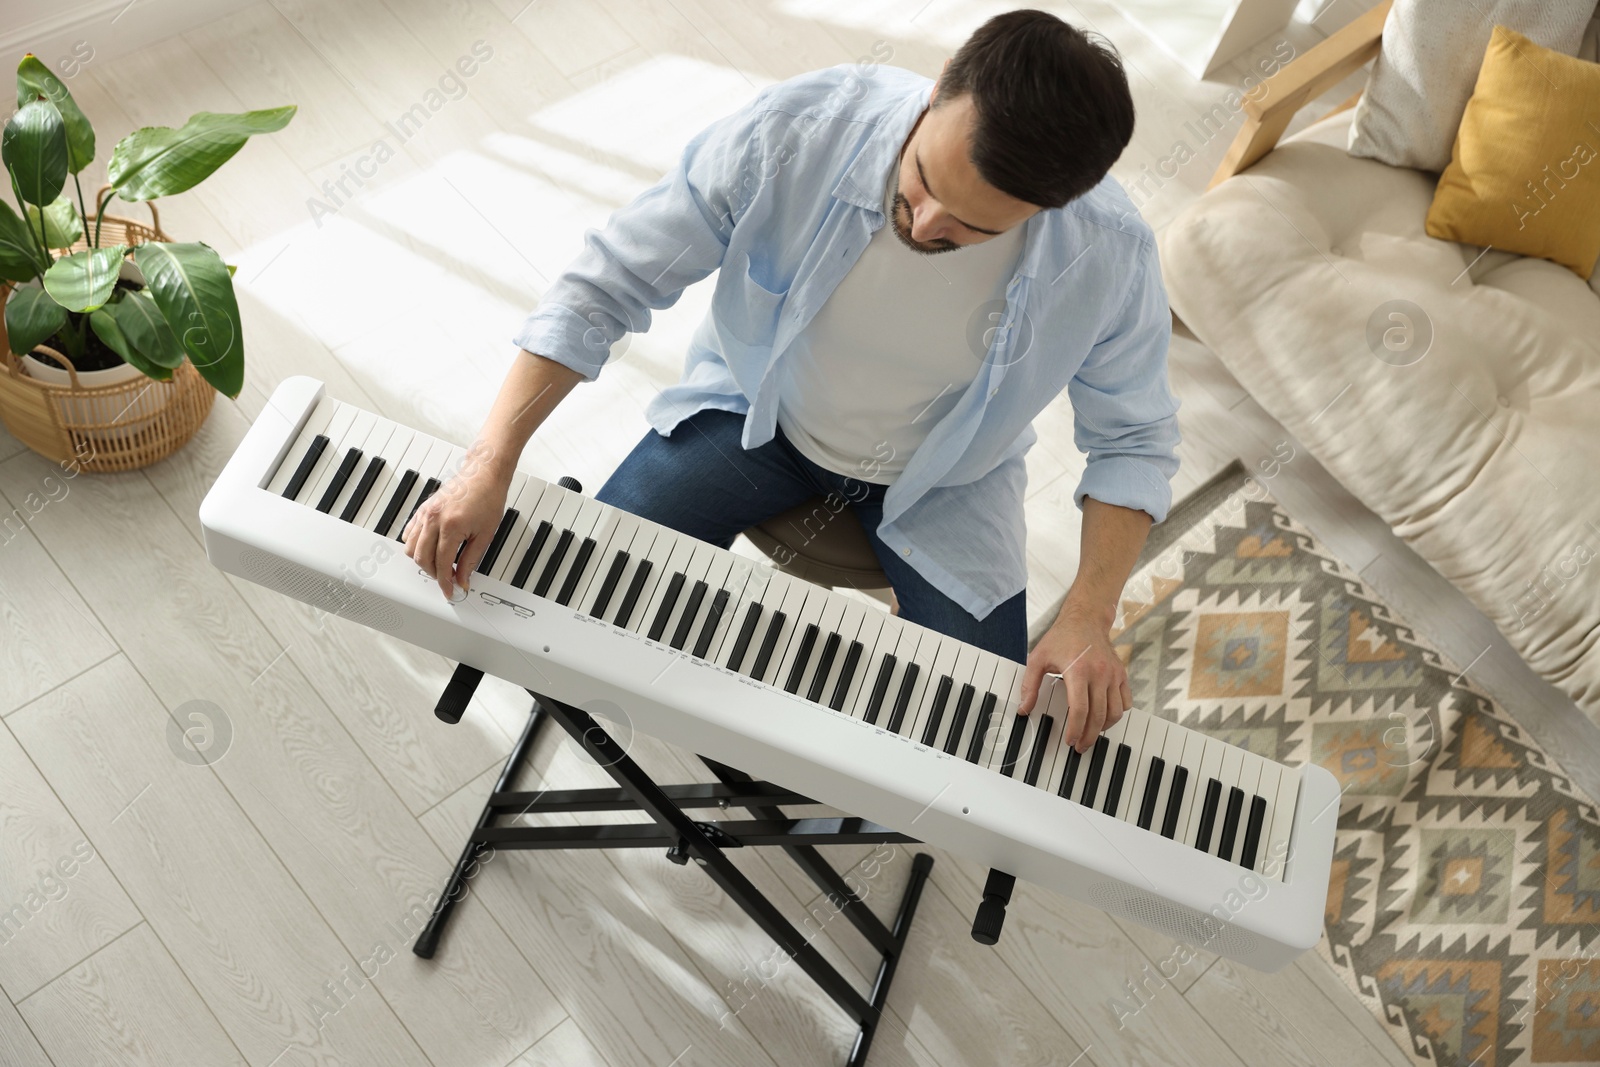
318	590
1187	925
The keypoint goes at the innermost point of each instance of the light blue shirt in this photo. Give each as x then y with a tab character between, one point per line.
783	195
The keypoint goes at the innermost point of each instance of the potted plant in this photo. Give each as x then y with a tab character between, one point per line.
118	311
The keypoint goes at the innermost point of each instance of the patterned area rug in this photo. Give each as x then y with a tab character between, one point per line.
1466	877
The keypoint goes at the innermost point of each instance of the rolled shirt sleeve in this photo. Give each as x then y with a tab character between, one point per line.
670	236
1125	415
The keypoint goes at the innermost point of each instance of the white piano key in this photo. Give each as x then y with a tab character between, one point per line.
615	536
695	571
927	650
316	423
921	712
810	614
676	562
761	585
1267	790
848	627
432	463
745	583
828	621
1151	746
1232	767
1209	767
1134	732
356	424
869	634
657	543
535	504
1280	840
1007	687
794	601
394	451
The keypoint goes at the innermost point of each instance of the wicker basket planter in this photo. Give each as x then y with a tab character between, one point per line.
116	419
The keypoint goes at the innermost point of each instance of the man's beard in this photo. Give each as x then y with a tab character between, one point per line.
941	245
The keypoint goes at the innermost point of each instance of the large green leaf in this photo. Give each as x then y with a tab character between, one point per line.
20	258
84	280
31	317
158	161
147	331
61	223
34	148
107	326
194	291
34	80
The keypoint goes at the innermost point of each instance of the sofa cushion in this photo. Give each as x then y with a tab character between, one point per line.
1525	173
1476	439
1429	61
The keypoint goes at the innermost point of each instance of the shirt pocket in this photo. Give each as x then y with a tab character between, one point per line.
743	308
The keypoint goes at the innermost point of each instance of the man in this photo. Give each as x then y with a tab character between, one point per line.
898	367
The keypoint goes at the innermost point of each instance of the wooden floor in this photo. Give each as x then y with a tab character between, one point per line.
258	910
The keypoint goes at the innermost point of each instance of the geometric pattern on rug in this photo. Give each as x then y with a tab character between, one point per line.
1464	901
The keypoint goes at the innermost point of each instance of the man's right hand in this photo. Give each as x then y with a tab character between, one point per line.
461	516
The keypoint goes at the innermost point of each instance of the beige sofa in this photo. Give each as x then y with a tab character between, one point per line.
1484	454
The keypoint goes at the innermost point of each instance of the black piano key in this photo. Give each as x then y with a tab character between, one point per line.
691	608
941	696
959	721
619	563
902	699
668	601
768	644
1040	741
879	688
1230	821
980	729
1152	786
1070	775
830	651
496	543
363	487
547	578
391	510
297	481
1097	762
635	588
802	656
746	632
1169	821
541	534
1119	774
579	563
340	477
429	487
719	604
1208	815
1019	726
1252	833
847	673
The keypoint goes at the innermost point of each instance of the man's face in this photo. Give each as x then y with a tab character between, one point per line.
968	210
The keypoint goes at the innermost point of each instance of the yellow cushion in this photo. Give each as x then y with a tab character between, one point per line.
1524	175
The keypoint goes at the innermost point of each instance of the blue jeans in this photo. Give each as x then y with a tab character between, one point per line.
702	482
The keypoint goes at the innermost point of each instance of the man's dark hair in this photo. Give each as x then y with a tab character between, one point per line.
1052	110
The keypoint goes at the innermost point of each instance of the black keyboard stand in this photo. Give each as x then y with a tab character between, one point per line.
685	839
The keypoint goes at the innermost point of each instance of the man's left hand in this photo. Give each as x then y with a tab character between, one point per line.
1078	648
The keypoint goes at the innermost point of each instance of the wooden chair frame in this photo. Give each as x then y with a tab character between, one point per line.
1276	100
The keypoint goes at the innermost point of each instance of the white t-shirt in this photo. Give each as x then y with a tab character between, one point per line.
892	349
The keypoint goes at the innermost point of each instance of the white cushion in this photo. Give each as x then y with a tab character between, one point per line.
1484	455
1428	65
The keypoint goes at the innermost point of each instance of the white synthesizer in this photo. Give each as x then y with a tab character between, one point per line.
786	680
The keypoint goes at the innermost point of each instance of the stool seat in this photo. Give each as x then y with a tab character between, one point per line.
815	543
